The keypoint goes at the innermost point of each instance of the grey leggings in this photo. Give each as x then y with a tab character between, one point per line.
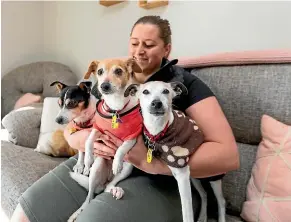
56	196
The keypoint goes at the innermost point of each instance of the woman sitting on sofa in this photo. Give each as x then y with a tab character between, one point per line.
56	196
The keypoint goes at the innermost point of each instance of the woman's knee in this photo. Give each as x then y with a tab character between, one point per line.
145	199
53	196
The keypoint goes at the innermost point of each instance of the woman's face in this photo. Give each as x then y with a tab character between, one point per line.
147	47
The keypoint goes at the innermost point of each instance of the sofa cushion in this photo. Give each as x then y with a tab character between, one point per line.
269	188
20	168
23	125
249	91
235	182
33	78
27	99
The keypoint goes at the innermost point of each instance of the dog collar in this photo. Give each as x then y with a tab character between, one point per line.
156	137
150	141
115	114
86	124
109	110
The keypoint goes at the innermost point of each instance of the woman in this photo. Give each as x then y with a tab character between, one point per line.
150	196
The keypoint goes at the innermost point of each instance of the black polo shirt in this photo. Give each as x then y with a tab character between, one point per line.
197	90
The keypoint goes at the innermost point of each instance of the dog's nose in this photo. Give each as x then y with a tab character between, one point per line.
105	86
60	120
157	104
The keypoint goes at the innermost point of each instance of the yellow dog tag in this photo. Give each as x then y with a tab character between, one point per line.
114	123
149	155
72	130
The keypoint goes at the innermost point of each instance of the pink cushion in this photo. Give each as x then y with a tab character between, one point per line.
27	99
269	188
237	58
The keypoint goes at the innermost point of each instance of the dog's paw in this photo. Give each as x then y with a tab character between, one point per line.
116	166
86	171
78	168
74	216
202	218
117	192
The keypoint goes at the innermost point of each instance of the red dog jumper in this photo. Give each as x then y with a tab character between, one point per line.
130	125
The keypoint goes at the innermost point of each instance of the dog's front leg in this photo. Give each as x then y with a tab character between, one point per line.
95	179
79	167
89	156
118	192
120	153
182	175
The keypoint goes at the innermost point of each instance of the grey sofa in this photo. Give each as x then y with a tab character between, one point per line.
21	166
245	91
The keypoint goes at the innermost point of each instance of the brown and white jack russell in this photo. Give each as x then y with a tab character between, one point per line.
113	112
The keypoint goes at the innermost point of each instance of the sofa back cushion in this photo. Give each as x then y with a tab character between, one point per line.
246	92
33	78
247	85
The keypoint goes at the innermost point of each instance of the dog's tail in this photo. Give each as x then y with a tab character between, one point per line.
84	181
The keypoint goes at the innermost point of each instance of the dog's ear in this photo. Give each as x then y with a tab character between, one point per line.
85	86
133	66
91	69
59	85
131	90
179	88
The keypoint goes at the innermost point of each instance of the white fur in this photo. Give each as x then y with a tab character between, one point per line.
155	124
97	169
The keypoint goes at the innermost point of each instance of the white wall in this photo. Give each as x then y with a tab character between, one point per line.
74	33
21	34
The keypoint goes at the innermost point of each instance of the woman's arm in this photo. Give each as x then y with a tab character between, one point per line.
77	139
219	153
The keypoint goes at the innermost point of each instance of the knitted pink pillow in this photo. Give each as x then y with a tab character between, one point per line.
27	99
269	188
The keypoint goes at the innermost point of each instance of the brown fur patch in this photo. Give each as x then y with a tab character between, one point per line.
91	69
110	66
128	66
60	146
76	111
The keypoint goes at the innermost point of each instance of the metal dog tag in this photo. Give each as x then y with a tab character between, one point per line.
114	123
151	148
149	155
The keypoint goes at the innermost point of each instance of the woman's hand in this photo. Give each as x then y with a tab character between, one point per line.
137	155
104	147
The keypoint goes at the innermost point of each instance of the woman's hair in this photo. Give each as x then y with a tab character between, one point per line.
162	24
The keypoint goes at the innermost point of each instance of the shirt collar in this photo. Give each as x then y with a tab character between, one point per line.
164	73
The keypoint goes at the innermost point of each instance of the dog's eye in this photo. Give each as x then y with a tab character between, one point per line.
100	72
146	92
118	71
165	91
60	103
71	104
